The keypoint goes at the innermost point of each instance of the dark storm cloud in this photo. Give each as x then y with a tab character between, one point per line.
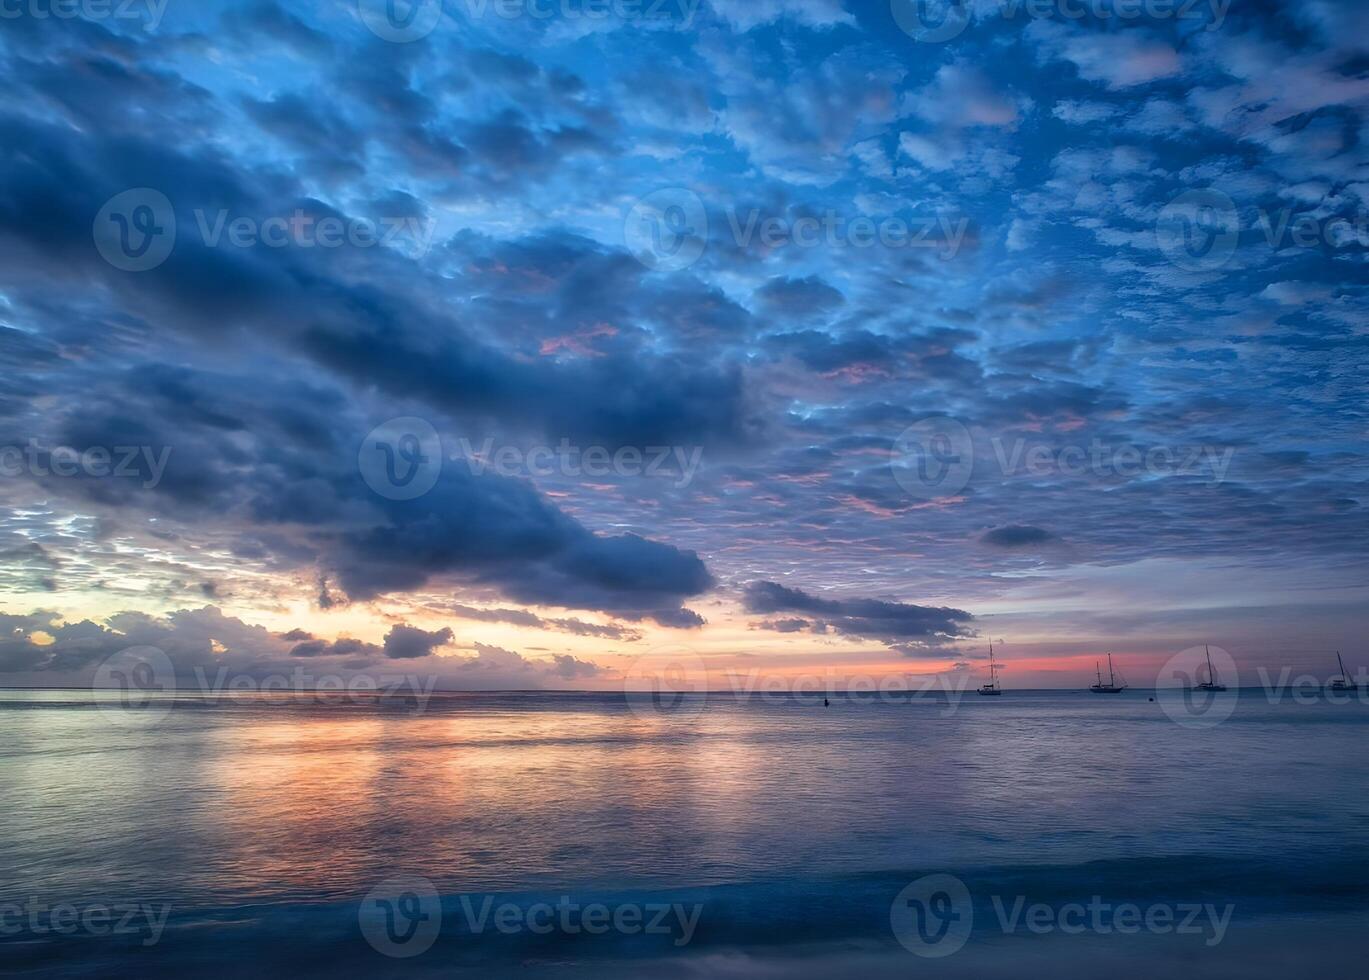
1017	536
410	642
251	450
807	296
372	335
522	617
354	330
892	622
341	647
501	532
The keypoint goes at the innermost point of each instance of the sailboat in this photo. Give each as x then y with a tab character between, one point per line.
1211	684
1343	682
1111	687
991	688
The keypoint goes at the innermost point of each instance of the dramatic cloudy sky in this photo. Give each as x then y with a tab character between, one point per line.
785	261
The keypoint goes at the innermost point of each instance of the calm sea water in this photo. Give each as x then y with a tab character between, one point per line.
260	819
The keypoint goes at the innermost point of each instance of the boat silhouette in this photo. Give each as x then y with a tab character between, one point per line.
1211	684
1111	687
991	688
1343	682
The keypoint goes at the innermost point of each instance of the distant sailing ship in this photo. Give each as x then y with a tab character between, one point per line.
1343	682
1111	687
991	688
1211	684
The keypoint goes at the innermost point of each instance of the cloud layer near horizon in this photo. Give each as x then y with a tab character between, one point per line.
1038	153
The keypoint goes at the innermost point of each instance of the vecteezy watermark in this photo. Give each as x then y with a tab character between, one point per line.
137	687
933	458
668	230
401	459
34	919
134	686
1308	689
943	233
136	230
938	21
1198	687
142	463
679	12
1107	460
934	917
1199	230
401	917
680	464
400	21
675	681
403	21
570	917
669	680
946	689
322	687
148	11
303	230
1103	918
1287	228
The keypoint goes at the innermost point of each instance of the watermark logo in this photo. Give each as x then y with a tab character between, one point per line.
134	686
135	230
679	464
942	232
1103	460
1104	918
945	688
410	233
322	688
401	917
401	459
938	21
400	21
933	916
571	918
931	21
667	230
666	681
1309	689
143	463
34	920
934	458
1205	682
1198	231
148	11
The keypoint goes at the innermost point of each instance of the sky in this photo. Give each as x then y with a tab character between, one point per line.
529	343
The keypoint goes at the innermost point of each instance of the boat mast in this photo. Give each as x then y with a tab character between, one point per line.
1112	675
1098	669
1211	678
1344	676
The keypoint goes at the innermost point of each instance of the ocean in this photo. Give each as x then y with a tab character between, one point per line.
720	835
